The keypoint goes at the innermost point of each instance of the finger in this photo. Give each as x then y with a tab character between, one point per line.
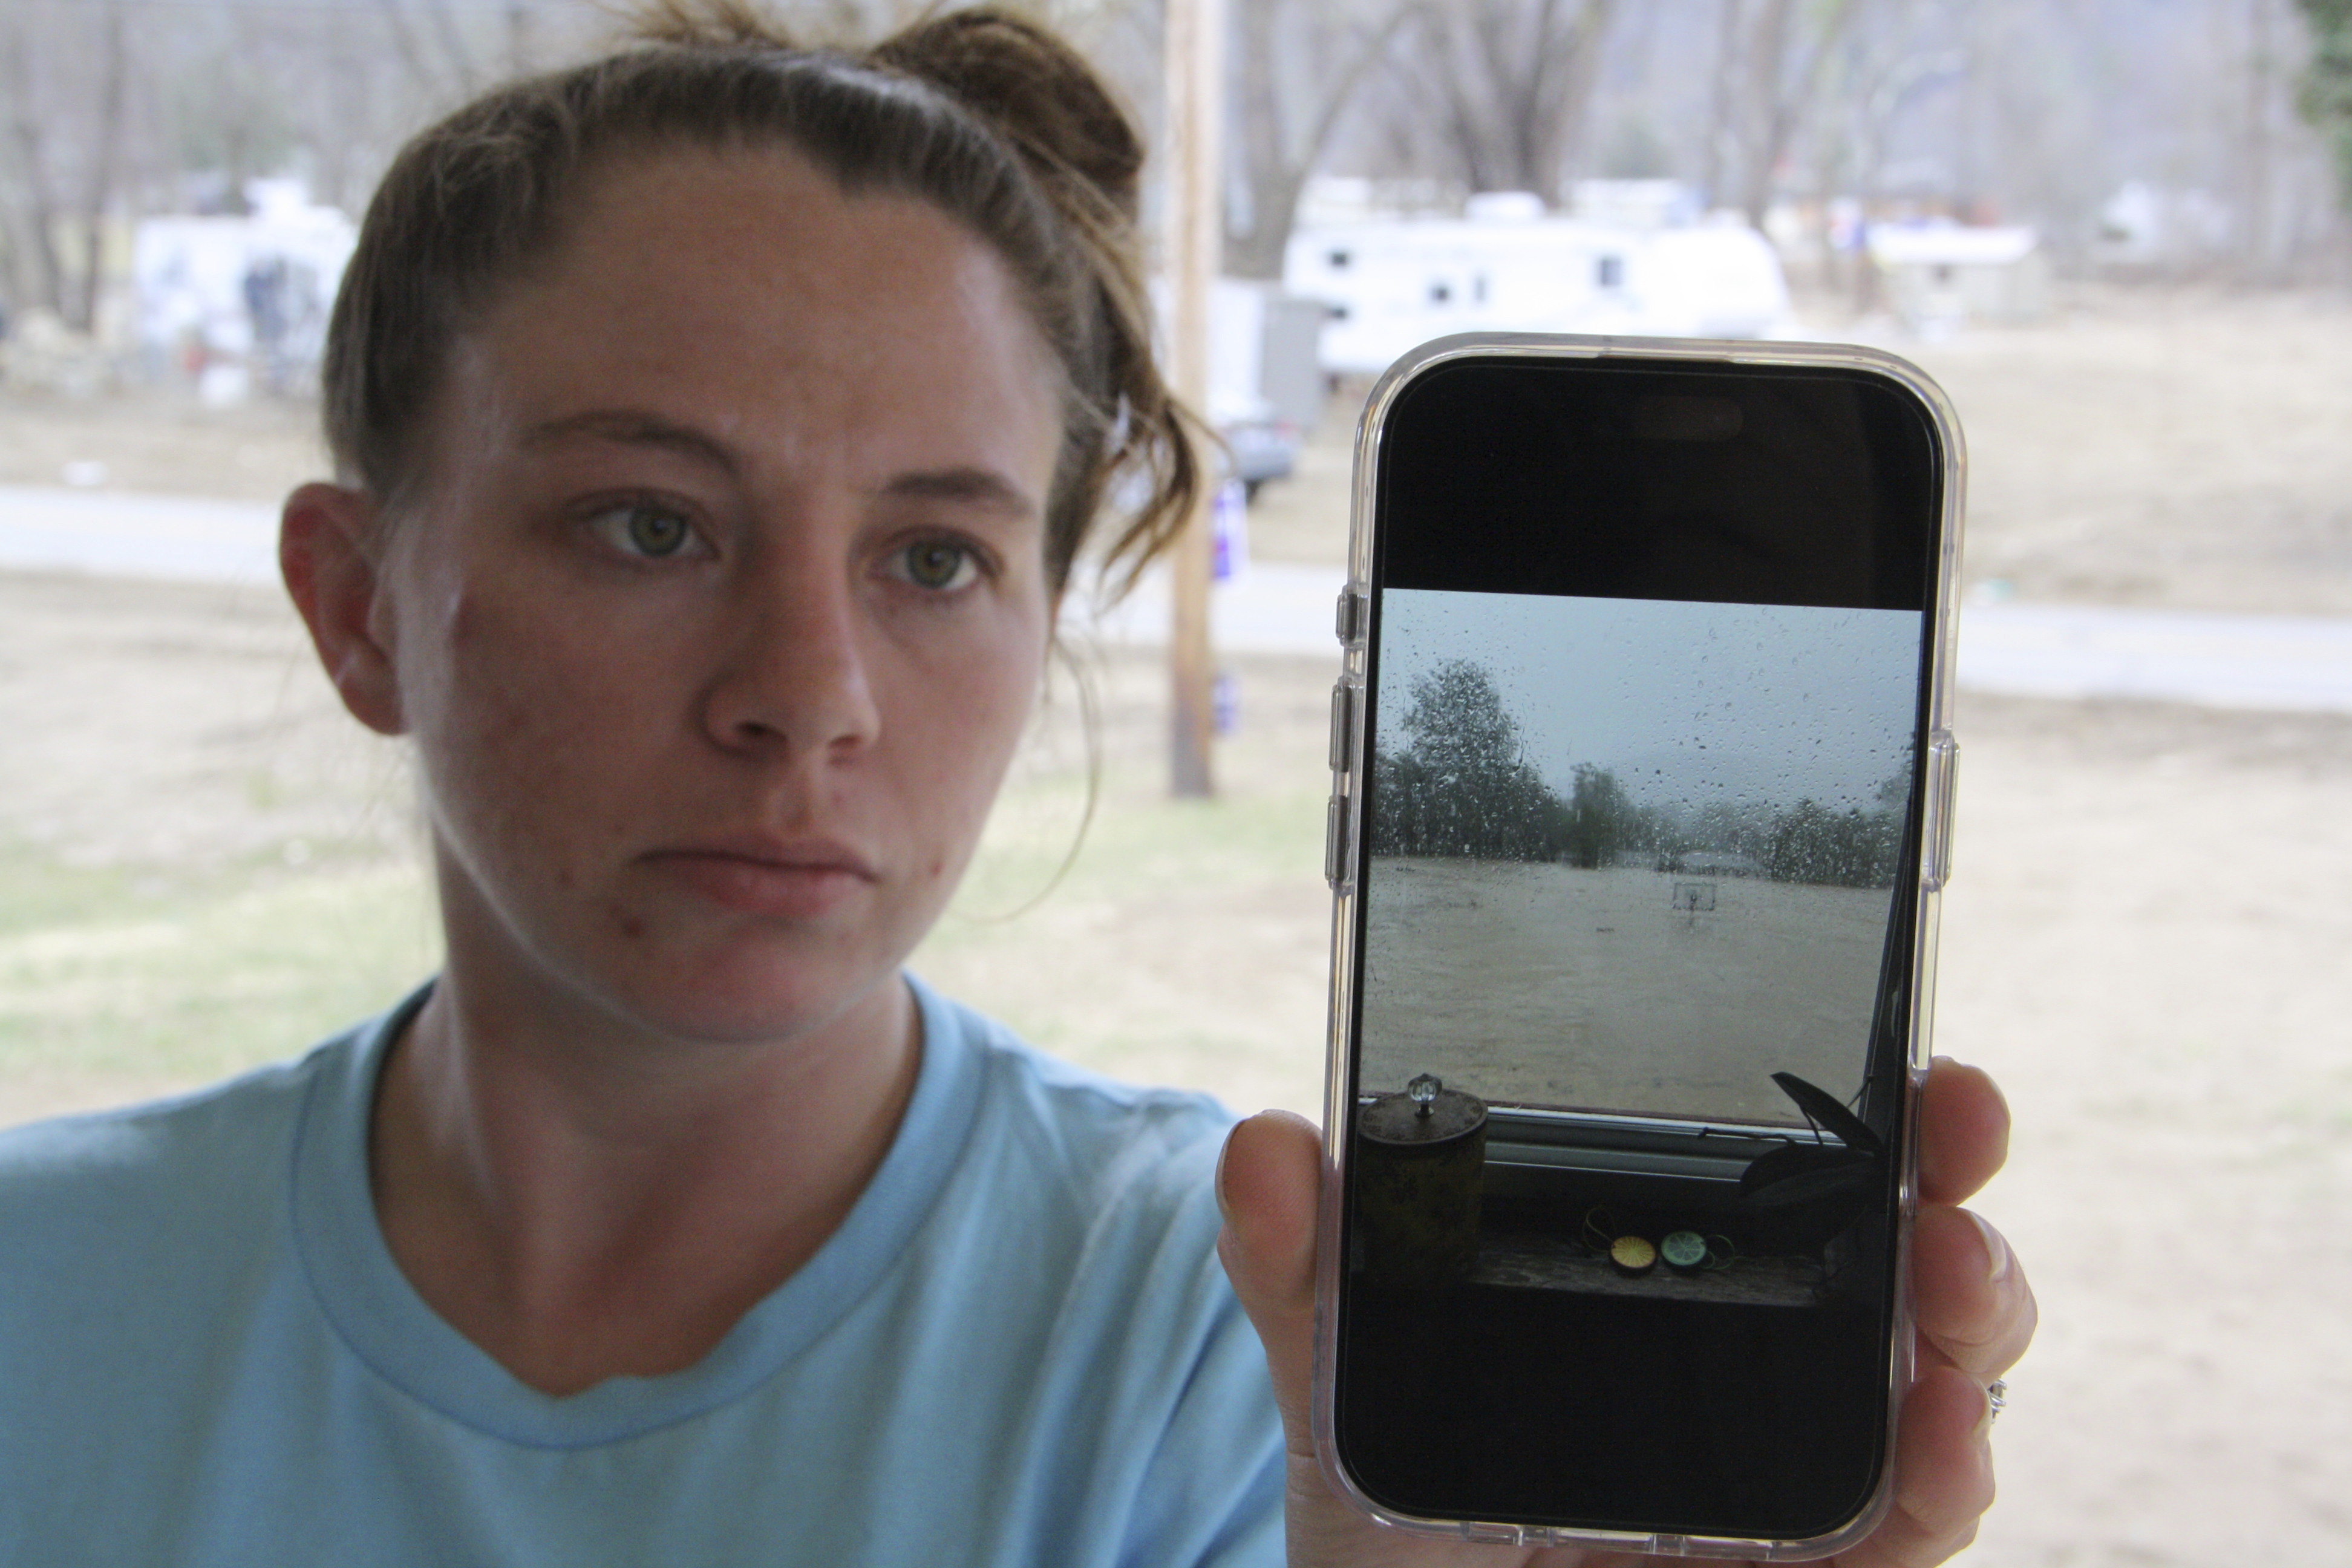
1971	1298
1963	1132
1268	1179
1943	1476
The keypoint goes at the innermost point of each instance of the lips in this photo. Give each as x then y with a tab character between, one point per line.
761	874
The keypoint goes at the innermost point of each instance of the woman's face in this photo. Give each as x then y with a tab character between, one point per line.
725	605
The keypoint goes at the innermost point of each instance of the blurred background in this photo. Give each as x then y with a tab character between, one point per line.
2114	229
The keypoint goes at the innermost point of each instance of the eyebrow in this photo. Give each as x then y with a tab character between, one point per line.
968	485
632	427
965	484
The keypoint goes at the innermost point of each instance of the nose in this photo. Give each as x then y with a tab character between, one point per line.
793	677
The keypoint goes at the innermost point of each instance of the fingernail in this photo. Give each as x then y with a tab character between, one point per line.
1224	1209
1997	1261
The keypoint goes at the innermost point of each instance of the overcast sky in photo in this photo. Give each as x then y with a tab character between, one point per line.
1686	703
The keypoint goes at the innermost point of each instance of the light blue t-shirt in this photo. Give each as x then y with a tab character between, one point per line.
1018	1349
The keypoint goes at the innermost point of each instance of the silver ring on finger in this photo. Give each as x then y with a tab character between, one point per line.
1997	1395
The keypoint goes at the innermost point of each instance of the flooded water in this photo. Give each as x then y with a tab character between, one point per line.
1537	984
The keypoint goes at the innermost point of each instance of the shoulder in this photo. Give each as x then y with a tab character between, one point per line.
1076	1193
1092	1204
1096	1137
126	1189
136	1144
1082	1221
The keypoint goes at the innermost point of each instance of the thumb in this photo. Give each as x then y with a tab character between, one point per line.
1268	1183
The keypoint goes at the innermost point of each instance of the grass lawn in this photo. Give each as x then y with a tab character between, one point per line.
1183	943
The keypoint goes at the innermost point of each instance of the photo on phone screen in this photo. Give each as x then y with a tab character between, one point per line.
1635	896
1642	893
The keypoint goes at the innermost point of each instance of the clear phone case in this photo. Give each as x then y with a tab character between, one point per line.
1345	832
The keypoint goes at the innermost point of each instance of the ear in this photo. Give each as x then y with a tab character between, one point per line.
322	553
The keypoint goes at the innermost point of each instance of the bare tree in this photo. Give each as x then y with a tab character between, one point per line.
2261	97
32	216
69	95
443	68
409	48
1875	70
1723	131
1296	67
453	44
98	177
1771	57
1502	86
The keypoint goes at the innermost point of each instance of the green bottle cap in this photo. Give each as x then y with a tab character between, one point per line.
1684	1249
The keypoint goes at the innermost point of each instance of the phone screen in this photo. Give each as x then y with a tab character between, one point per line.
1636	867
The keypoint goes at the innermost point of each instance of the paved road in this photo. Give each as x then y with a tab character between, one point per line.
2275	662
117	534
2280	662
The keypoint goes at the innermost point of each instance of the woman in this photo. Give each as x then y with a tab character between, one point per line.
716	425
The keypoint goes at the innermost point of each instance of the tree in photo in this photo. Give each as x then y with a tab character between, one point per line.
1814	843
1601	821
1461	784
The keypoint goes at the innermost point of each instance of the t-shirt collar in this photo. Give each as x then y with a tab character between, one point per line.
379	1315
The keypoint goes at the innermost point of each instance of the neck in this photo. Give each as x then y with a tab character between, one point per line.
585	1200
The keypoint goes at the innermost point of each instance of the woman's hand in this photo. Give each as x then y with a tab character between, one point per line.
1976	1315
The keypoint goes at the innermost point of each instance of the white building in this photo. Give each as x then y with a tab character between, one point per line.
1395	283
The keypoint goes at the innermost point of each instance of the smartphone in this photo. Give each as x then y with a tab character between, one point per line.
1641	806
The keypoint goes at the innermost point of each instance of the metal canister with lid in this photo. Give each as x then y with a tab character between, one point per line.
1420	1167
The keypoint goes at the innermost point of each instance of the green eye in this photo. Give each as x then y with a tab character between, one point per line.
649	529
655	533
938	563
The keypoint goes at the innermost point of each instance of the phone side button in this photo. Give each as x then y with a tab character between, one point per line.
1334	828
1943	775
1352	614
1340	730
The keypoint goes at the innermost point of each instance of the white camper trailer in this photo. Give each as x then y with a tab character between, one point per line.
1940	276
1392	284
240	300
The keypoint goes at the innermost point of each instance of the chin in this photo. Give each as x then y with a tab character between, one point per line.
750	998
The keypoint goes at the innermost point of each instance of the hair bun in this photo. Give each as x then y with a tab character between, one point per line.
1034	90
705	24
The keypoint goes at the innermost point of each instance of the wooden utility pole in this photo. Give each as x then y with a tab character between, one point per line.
1195	237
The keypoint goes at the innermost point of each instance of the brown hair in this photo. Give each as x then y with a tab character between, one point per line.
988	116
